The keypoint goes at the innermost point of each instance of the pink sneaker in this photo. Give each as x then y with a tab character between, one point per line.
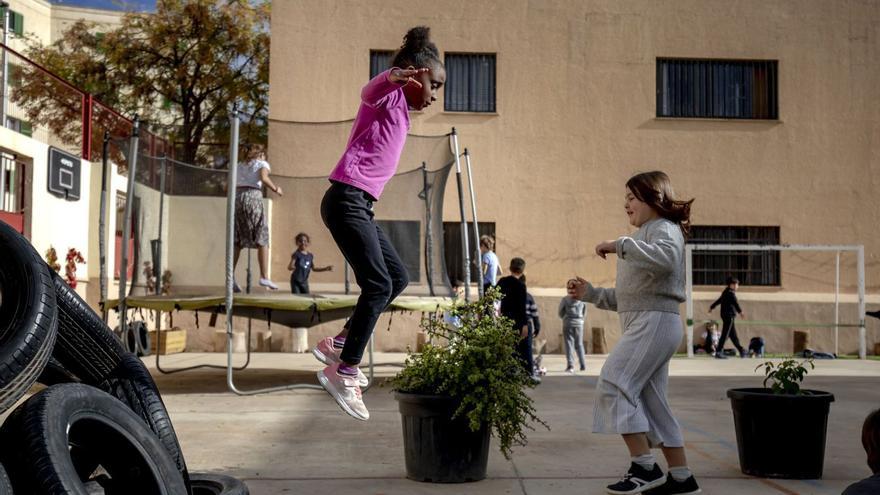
327	354
345	391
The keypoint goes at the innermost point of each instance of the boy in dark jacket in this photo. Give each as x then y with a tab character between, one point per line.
513	305
729	309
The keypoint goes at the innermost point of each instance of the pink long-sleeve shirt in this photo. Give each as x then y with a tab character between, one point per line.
377	137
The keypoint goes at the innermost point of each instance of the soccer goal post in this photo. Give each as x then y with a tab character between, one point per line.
860	264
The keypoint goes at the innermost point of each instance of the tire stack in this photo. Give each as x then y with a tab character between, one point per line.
100	426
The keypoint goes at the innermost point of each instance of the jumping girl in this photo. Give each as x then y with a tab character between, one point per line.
369	161
631	391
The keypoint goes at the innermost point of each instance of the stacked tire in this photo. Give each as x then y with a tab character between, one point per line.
100	426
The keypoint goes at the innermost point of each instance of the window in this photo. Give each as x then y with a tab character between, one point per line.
19	126
724	89
470	82
405	236
452	248
750	267
380	60
16	21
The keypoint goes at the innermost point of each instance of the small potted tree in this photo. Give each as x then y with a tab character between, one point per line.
780	429
466	385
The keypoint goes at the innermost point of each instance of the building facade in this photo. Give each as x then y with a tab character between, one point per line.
767	113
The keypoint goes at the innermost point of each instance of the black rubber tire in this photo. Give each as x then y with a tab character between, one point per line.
46	434
217	484
5	484
137	338
86	346
132	384
28	316
55	373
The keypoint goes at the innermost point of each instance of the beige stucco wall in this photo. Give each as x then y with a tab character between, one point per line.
576	117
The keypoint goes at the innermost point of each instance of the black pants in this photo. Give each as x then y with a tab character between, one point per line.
728	329
525	351
348	213
299	286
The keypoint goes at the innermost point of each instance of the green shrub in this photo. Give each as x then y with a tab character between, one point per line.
785	377
476	364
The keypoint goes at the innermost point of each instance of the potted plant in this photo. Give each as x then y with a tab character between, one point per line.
780	429
466	384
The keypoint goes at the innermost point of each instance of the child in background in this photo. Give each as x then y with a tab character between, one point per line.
534	320
871	443
514	302
302	262
710	338
631	392
491	268
573	311
729	309
369	161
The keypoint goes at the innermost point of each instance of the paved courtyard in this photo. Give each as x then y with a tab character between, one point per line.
299	442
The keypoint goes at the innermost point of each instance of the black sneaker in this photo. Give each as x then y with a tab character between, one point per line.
679	487
718	355
637	480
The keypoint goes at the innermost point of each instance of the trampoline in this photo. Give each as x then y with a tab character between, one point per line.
294	311
172	211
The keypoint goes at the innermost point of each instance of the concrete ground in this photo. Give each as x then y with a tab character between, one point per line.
299	442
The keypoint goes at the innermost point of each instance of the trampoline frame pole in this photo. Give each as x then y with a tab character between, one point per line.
126	226
465	250
157	263
102	223
477	258
429	252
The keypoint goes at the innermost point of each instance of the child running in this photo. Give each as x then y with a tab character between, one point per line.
301	265
631	391
368	163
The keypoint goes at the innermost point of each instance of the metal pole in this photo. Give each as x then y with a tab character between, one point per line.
477	257
126	228
230	236
429	253
102	220
3	111
862	343
3	183
157	263
465	250
836	301
689	291
347	282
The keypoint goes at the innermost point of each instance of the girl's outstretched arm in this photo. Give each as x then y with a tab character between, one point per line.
663	253
602	298
386	82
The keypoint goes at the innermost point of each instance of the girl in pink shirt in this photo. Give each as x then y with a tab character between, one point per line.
369	161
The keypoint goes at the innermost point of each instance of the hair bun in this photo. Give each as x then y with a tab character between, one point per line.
417	39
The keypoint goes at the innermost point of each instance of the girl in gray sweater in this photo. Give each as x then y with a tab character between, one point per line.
631	391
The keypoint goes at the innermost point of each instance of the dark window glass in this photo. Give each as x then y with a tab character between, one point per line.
723	89
750	267
404	236
380	60
470	82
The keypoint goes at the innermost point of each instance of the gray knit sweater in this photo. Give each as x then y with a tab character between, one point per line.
650	271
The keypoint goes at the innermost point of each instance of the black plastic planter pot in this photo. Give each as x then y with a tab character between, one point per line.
437	448
780	436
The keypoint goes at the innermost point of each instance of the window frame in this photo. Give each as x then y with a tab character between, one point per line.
763	106
767	262
377	51
447	87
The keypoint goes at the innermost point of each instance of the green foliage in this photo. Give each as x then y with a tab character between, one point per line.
475	364
785	377
180	68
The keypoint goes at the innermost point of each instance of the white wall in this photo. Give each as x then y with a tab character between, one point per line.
54	221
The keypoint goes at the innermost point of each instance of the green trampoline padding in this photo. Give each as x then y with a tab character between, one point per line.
286	309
